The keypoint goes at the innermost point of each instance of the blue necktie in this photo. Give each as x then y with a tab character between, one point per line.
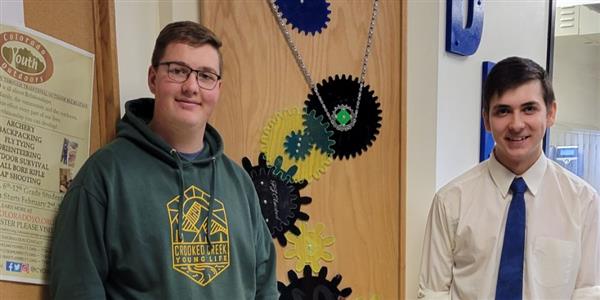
510	274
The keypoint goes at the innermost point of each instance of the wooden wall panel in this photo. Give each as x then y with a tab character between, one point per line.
358	200
87	24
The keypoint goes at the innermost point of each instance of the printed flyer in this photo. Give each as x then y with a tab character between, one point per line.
45	114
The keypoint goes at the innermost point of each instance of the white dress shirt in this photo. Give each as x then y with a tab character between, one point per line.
465	233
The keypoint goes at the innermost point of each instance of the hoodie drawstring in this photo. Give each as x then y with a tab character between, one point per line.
181	199
210	202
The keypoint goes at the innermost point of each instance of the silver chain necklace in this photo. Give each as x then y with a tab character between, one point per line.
345	116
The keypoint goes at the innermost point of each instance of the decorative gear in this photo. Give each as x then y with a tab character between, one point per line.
309	247
286	176
297	145
319	132
279	198
339	95
312	287
307	16
273	140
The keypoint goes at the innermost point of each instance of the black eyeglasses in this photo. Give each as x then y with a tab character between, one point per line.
180	72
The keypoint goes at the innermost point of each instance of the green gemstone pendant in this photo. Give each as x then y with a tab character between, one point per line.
343	117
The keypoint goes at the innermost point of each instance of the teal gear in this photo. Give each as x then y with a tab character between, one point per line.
318	131
278	170
297	145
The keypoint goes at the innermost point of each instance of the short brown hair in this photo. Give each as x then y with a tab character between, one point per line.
186	32
511	73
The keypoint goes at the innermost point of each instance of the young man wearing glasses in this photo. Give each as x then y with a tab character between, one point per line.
161	212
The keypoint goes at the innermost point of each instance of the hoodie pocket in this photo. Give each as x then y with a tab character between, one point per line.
553	261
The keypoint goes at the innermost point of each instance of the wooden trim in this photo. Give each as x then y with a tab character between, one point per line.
107	78
403	149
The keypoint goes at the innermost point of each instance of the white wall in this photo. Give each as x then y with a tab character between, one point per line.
443	104
423	42
138	24
511	28
597	62
137	27
576	78
598	93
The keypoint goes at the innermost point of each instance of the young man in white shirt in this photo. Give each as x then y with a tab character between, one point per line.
542	241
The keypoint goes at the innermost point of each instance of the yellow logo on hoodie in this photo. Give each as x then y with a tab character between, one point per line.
193	256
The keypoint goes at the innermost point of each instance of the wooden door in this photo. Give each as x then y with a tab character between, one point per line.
358	200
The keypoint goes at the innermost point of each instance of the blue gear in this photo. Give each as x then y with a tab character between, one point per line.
319	132
297	145
307	16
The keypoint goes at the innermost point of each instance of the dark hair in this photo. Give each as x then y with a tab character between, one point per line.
512	72
186	32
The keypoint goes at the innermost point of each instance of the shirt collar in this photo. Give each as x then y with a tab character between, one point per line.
503	177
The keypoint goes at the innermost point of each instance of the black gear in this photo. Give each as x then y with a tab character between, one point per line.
312	287
279	198
308	16
342	92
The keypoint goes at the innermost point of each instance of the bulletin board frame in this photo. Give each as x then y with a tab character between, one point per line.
89	25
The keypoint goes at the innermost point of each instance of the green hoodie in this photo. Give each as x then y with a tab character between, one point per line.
123	233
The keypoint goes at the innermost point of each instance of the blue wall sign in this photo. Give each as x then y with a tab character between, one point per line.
463	40
486	140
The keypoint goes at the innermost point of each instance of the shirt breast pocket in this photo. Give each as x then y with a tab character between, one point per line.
554	261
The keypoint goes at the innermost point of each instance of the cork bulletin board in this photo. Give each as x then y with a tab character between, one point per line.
89	25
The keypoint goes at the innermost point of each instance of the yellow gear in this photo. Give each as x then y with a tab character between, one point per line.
309	247
272	144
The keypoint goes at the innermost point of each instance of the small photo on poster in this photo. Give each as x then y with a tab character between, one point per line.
65	151
68	155
65	179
